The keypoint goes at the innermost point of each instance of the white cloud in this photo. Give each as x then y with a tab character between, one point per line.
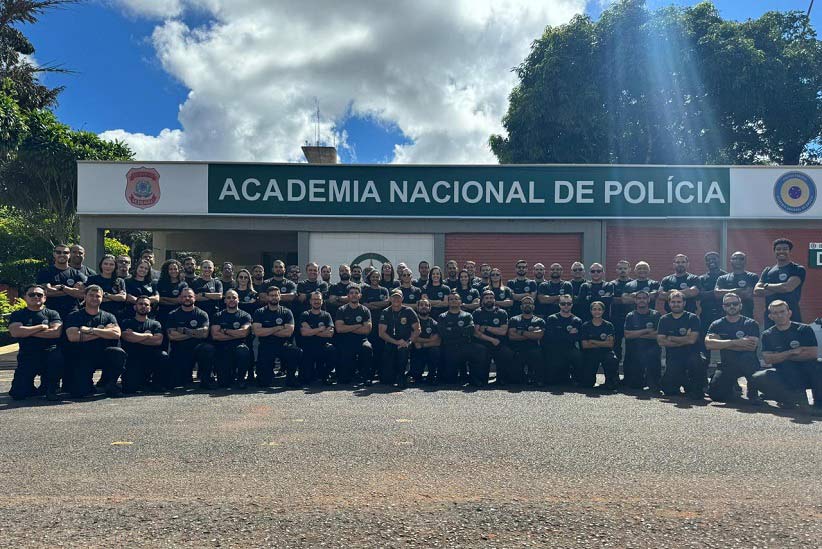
165	146
439	71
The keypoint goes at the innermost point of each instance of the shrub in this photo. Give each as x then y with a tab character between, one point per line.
7	307
21	272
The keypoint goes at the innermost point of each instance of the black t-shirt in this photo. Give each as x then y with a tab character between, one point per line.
193	319
63	304
549	288
495	317
102	319
148	326
373	295
638	321
167	288
778	275
211	286
670	326
111	285
468	296
681	283
711	307
455	328
351	315
27	317
315	321
740	281
389	284
398	324
248	300
532	324
281	316
561	330
648	285
618	310
521	286
437	293
595	291
306	288
286	287
743	327
231	321
591	332
87	272
230	284
428	327
138	289
797	335
410	295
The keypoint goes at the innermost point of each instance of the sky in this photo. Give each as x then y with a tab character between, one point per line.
240	80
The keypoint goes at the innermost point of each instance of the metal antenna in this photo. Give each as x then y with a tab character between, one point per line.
810	8
317	103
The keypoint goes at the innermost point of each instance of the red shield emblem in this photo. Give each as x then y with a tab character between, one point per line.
142	187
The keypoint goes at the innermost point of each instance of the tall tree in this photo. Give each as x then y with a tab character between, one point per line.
672	86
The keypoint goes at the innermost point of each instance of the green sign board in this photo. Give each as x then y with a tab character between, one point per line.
815	255
469	191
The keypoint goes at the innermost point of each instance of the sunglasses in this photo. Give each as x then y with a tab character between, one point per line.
36	295
577	270
732	304
596	270
565	304
61	252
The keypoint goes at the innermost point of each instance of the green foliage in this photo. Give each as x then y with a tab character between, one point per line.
672	86
115	247
8	306
20	272
18	238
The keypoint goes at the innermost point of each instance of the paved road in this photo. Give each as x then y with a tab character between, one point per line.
418	468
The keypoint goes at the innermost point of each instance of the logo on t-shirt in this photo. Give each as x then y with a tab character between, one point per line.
794	344
358	318
70	282
175	292
683	331
279	321
403	321
192	323
496	322
428	330
742	283
603	336
740	334
649	325
794	192
236	325
683	286
460	323
321	324
783	277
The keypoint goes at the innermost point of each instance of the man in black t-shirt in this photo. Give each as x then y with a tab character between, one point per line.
736	338
64	285
423	268
142	339
560	345
77	255
308	286
642	366
682	281
209	290
274	327
37	330
740	282
456	328
525	331
93	344
187	329
577	280
353	326
288	290
451	271
790	351
189	269
548	292
426	351
684	365
520	286
229	332
783	281
338	293
597	289
319	356
399	328
491	331
710	308
621	304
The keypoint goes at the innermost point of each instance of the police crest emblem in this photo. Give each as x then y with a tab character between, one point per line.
142	187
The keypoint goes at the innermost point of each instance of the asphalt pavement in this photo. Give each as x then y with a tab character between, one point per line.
354	467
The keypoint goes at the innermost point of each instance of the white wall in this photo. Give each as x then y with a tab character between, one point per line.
337	248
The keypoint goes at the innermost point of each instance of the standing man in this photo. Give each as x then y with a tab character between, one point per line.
456	328
521	286
491	330
423	268
451	270
561	344
577	280
258	278
736	337
37	330
353	326
549	292
485	277
471	267
229	331
308	286
293	273
274	327
410	294
319	355
187	329
146	362
684	367
189	269
93	336
227	276
123	267
426	351
64	285
710	308
356	274
325	274
525	331
338	293
288	290
78	255
790	350
643	360
398	328
595	290
682	281
740	282
621	304
539	276
208	289
642	282
375	298
782	281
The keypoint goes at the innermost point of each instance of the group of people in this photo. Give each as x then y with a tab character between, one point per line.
149	330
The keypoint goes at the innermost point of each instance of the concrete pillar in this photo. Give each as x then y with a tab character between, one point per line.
159	240
303	248
439	249
593	243
723	245
91	238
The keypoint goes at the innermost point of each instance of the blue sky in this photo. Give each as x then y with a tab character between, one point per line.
120	83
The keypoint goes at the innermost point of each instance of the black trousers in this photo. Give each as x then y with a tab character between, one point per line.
146	366
234	363
619	336
289	356
394	364
642	366
562	361
318	360
592	359
455	359
84	361
529	362
508	371
724	383
788	381
46	363
185	355
354	355
377	344
426	358
689	371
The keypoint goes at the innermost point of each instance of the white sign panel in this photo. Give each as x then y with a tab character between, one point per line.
788	192
142	188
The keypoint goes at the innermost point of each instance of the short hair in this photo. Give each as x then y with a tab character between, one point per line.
785	241
682	255
93	288
56	246
521	261
146	251
278	262
273	288
778	303
230	291
642	264
355	288
318	294
30	286
423	262
730	294
139	297
312	264
599	303
625	261
675	293
204	261
187	289
191	257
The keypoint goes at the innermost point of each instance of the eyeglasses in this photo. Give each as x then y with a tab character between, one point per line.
732	304
36	295
565	303
596	270
577	270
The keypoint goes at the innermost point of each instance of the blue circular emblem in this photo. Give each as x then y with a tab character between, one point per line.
794	192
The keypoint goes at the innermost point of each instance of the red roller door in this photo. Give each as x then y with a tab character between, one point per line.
503	250
758	245
658	245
